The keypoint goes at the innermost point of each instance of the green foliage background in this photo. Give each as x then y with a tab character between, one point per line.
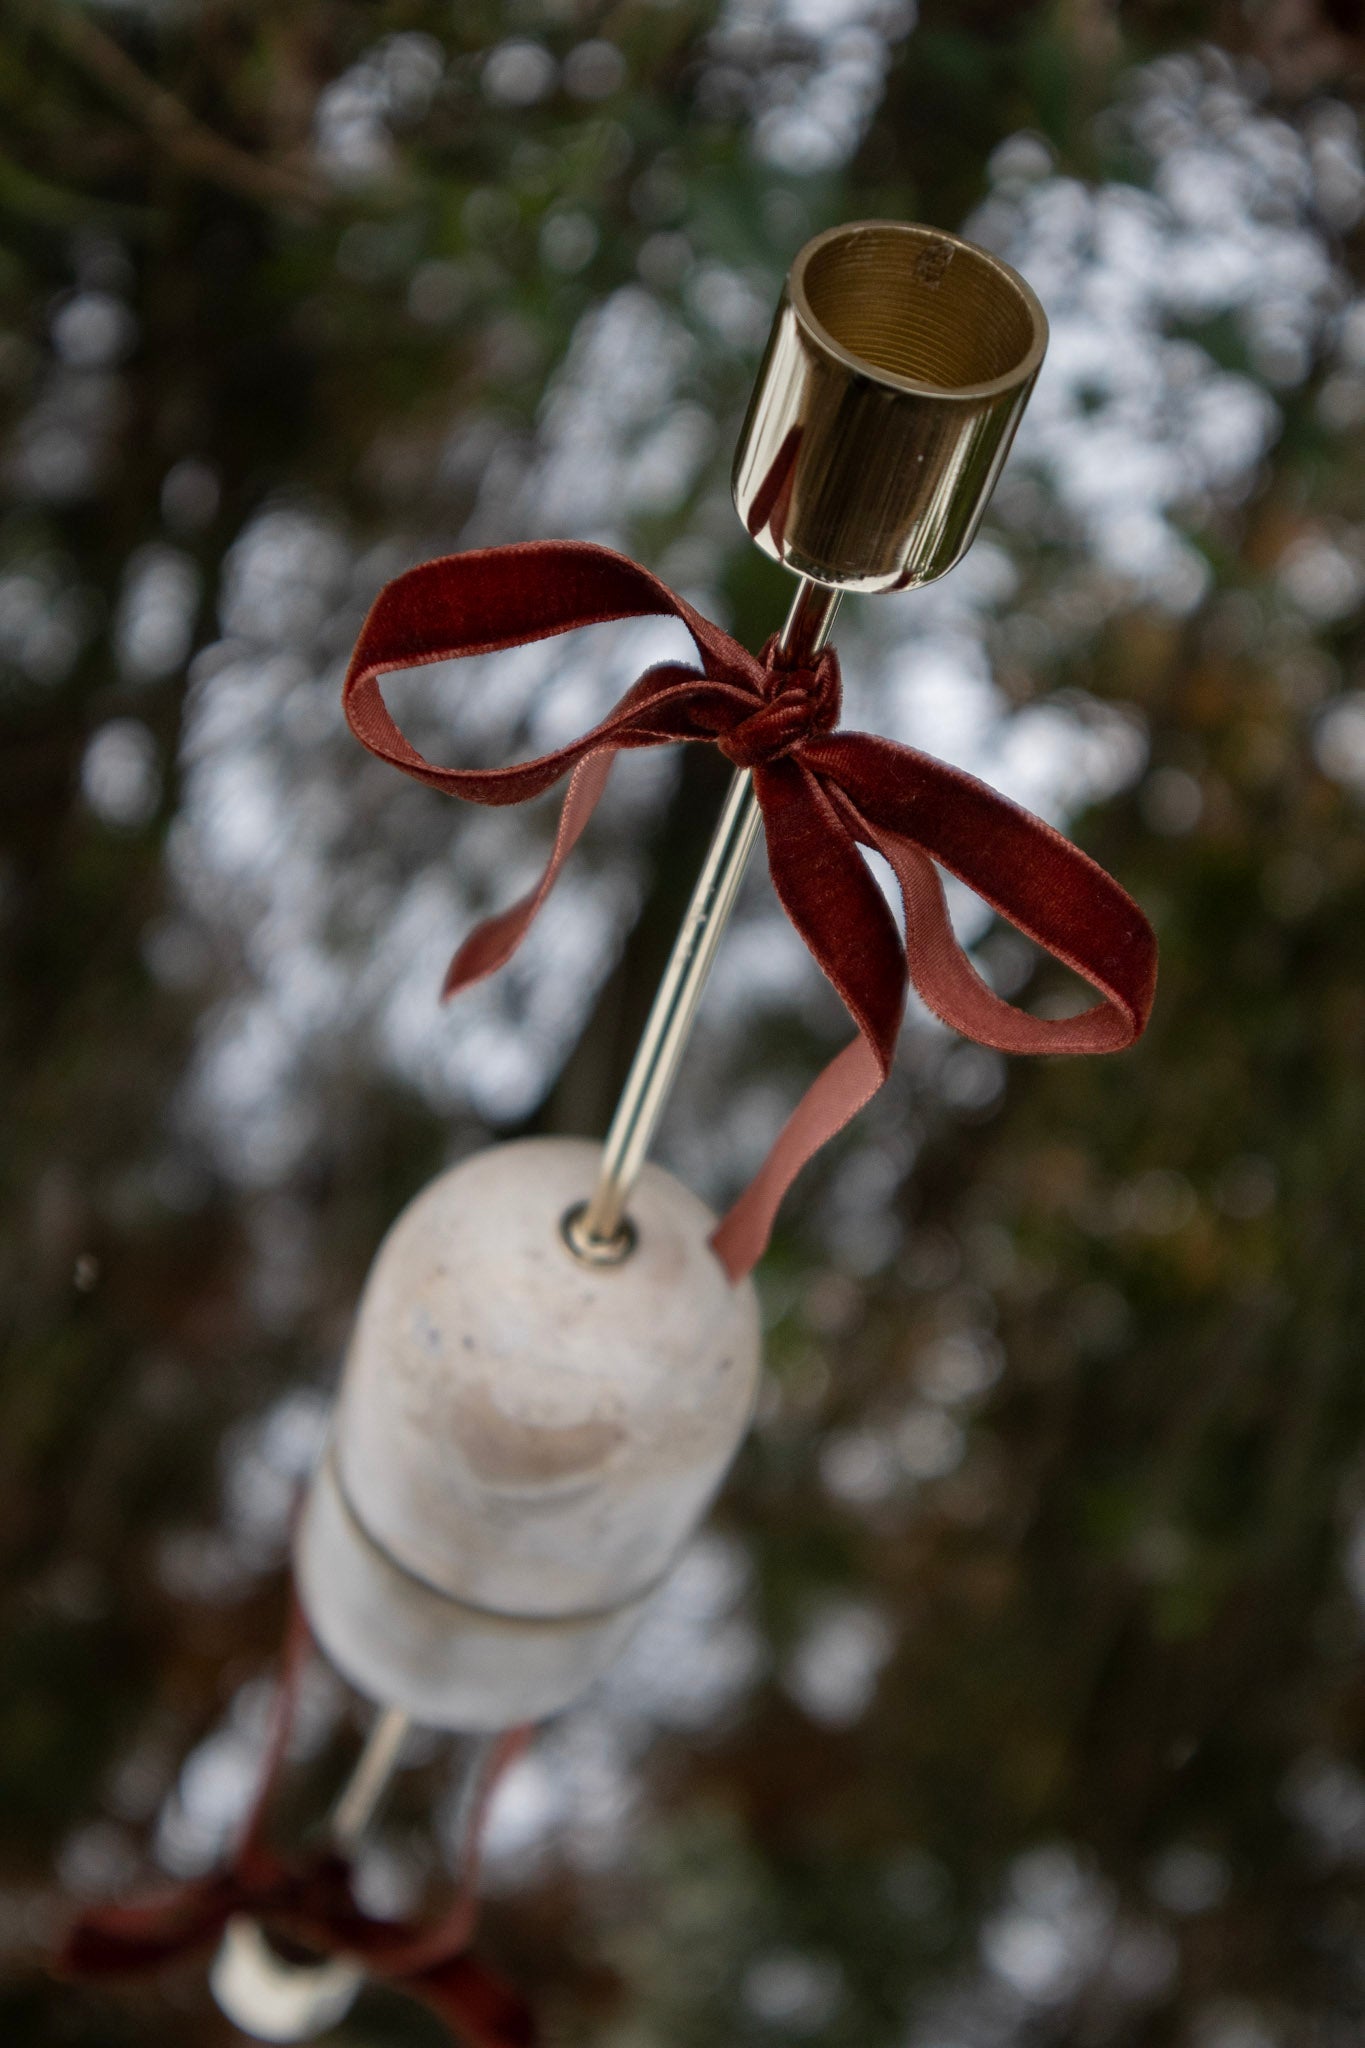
1124	1626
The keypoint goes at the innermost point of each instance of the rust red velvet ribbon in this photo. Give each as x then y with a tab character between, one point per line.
310	1901
823	794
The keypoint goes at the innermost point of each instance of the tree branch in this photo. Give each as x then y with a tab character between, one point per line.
170	124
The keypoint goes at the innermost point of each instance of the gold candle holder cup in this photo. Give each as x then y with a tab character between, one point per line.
899	365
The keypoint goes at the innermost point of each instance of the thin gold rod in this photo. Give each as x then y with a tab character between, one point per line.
596	1232
359	1798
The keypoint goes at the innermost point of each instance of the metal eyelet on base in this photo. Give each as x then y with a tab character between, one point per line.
596	1251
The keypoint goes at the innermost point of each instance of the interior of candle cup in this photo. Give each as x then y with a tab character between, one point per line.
921	307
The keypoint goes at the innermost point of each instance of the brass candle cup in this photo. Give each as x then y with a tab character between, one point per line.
898	367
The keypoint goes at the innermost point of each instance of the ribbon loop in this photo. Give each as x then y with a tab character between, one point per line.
823	793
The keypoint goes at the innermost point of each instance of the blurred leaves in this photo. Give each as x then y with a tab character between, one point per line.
1040	1580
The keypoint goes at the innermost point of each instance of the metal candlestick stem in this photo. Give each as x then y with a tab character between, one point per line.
361	1796
598	1232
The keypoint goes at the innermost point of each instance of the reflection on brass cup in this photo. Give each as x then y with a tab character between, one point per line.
900	362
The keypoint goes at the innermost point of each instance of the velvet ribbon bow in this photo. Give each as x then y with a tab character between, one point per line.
823	794
310	1901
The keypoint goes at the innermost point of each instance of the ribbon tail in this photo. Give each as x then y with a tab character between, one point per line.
403	1954
479	2008
828	892
251	1858
847	1085
491	944
950	985
124	1940
913	809
128	1940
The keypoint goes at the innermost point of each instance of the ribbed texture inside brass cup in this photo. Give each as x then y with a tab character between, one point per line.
914	305
900	361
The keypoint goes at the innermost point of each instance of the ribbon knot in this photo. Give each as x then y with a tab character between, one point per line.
797	703
825	795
